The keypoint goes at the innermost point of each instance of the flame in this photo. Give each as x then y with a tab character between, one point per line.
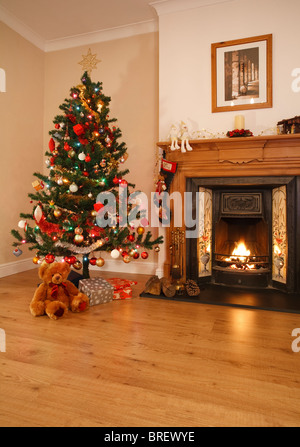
241	251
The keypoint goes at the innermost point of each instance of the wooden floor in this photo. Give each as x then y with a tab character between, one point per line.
146	363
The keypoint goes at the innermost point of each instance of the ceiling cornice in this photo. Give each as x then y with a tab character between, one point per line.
22	29
168	6
78	40
102	36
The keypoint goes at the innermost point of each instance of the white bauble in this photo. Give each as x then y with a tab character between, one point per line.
73	187
22	223
81	156
115	253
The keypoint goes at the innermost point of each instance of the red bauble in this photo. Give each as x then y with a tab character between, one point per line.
136	255
116	180
49	258
67	147
130	237
123	183
72	260
57	126
144	255
124	253
87	158
93	261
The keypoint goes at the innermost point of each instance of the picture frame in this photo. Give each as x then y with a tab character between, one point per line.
241	74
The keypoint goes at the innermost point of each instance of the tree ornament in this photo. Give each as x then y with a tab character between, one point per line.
140	230
87	158
36	259
57	212
115	253
78	230
51	145
115	180
78	129
59	181
144	255
103	163
100	262
78	238
22	224
77	265
73	187
38	185
136	255
126	259
130	237
81	156
67	147
93	261
157	249
17	252
49	258
72	260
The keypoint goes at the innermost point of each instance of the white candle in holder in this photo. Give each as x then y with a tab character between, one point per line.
239	122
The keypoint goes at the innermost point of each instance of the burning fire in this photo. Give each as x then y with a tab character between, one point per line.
239	258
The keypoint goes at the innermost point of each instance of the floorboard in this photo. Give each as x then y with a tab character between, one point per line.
145	363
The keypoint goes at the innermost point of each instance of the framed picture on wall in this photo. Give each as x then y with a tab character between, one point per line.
241	74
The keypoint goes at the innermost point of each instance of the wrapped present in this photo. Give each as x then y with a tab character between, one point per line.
98	290
122	288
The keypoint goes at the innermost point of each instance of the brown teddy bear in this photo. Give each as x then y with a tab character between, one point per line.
56	294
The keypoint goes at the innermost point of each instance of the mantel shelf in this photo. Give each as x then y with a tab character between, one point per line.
282	151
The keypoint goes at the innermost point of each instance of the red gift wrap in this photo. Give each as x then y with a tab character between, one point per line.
122	288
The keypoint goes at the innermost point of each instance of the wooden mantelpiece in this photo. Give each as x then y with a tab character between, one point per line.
263	156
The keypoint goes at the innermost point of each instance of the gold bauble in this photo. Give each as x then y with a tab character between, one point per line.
78	238
131	252
36	260
100	262
94	213
157	249
57	213
126	258
77	265
78	230
140	230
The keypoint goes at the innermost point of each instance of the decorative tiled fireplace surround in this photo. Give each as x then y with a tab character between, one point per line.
248	188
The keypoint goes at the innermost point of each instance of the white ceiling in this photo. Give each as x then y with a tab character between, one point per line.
58	24
56	19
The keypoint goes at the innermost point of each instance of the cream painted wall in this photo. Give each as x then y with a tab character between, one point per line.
21	123
185	39
129	73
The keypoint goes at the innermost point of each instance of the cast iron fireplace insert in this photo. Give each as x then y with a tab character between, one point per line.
241	231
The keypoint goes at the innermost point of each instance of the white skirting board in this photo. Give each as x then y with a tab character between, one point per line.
116	266
21	265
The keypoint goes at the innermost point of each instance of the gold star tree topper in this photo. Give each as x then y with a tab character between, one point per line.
89	62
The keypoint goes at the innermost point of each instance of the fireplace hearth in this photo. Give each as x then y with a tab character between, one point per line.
246	201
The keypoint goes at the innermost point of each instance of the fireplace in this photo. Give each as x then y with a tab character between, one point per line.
245	234
246	202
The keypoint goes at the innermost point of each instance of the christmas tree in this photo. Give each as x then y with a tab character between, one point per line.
74	216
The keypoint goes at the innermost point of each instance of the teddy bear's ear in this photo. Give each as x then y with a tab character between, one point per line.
66	267
44	266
